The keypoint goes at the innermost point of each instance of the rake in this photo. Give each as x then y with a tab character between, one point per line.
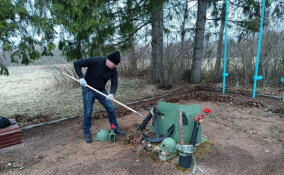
106	96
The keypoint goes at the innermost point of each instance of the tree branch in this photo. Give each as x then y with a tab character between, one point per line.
131	34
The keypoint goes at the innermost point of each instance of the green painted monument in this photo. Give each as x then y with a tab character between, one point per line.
171	116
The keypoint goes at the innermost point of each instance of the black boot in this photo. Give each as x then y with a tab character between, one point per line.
119	131
88	139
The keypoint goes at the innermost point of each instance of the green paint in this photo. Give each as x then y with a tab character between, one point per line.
171	116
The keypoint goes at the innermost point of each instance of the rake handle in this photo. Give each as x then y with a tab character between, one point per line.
181	128
106	96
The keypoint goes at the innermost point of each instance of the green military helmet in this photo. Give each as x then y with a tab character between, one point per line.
102	135
168	145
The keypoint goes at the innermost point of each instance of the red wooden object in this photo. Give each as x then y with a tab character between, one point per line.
10	135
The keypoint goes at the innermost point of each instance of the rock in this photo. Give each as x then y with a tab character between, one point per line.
156	148
141	147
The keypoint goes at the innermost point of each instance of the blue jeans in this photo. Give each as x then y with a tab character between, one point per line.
89	97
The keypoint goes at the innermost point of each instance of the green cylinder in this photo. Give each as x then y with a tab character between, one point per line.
103	135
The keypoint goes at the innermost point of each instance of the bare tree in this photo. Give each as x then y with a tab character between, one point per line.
220	41
157	41
195	76
133	58
185	16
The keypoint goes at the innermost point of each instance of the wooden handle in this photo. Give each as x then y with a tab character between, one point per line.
106	96
181	134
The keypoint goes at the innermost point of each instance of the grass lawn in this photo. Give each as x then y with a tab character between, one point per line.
32	90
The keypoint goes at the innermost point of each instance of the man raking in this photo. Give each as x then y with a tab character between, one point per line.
99	71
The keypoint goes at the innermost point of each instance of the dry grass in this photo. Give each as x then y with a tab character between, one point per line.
34	90
29	91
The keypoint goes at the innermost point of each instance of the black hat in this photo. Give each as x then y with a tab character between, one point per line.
114	57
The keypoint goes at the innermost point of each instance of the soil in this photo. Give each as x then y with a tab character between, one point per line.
245	135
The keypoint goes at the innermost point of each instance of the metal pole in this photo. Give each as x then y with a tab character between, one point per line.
257	77
106	96
225	74
282	80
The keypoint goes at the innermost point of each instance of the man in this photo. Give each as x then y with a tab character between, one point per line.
99	71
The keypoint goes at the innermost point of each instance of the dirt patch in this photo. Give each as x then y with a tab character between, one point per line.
194	95
246	138
60	149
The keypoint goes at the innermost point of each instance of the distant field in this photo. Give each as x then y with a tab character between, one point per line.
32	90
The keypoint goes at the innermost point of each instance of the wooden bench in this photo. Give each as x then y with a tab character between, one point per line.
10	135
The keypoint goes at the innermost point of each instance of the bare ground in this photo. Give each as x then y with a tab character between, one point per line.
246	137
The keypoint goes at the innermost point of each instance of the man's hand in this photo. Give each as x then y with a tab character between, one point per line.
110	97
83	82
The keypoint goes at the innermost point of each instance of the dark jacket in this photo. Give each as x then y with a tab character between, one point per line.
97	73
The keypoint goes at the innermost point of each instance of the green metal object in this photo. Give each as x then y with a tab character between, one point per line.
168	145
103	135
112	136
172	117
167	156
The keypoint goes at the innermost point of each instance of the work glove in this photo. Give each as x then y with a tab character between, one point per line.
83	82
110	96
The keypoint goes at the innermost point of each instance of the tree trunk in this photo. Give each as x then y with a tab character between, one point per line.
195	76
182	52
218	64
157	42
133	59
3	69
